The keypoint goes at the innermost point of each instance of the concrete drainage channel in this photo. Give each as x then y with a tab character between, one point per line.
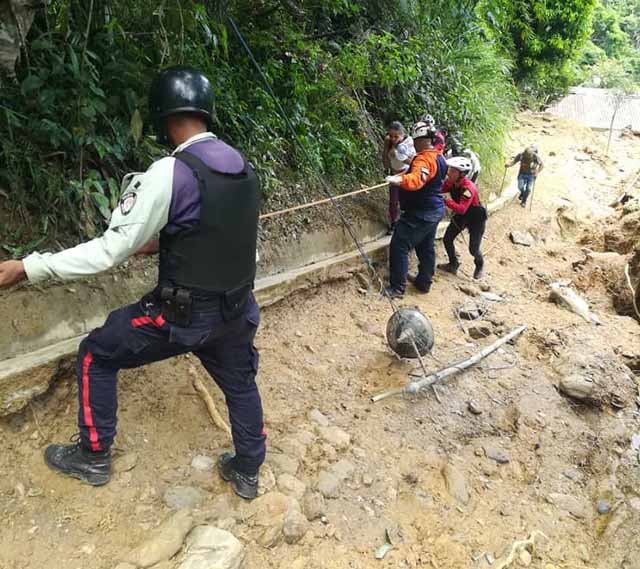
53	341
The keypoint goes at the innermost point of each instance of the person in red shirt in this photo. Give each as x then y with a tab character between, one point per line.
468	213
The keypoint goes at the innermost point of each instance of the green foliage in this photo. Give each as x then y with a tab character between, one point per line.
75	118
544	36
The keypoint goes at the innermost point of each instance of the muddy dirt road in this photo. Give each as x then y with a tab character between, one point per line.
454	478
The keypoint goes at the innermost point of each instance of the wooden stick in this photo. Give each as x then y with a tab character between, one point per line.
415	386
326	200
518	546
208	401
633	292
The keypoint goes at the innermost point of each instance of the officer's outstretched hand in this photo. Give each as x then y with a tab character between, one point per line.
11	272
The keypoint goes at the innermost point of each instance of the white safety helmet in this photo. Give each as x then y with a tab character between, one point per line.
460	163
423	130
428	119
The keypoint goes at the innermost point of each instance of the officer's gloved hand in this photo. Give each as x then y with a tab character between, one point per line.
395	180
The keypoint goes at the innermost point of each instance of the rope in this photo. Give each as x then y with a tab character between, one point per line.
318	202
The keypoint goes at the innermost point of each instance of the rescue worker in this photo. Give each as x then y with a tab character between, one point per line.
422	206
457	149
204	201
439	142
468	213
397	155
530	166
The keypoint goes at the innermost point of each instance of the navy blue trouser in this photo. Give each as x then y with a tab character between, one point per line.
411	232
137	334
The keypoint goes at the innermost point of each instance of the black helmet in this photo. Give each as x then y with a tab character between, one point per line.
179	90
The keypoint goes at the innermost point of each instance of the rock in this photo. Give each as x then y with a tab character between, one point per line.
572	474
635	503
577	386
267	514
305	437
469	290
293	447
583	552
283	463
203	463
313	505
295	526
343	469
208	547
335	436
291	486
88	548
328	484
575	506
497	454
267	480
469	311
480	330
522	238
164	542
359	453
179	497
525	558
125	462
604	507
456	483
367	479
474	408
317	417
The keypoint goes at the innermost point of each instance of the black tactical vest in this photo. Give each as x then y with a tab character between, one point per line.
218	254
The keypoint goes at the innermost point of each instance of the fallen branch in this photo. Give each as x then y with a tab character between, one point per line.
633	292
519	546
416	386
208	401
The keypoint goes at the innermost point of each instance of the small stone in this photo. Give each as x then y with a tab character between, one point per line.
291	486
343	469
335	436
313	505
576	507
635	503
295	526
203	463
604	507
359	453
496	454
328	484
572	474
283	463
522	238
88	548
210	547
456	483
480	330
490	558
317	417
583	551
525	558
179	497
305	437
474	408
267	480
367	479
125	463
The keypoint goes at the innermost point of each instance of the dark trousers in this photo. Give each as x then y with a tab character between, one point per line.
137	334
526	182
394	199
411	232
476	229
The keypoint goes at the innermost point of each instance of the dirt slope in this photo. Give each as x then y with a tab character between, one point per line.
532	459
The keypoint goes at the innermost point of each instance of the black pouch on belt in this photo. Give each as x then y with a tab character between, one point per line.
234	302
176	306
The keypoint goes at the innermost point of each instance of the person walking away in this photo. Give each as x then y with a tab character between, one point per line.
398	153
468	213
457	149
204	201
422	205
530	166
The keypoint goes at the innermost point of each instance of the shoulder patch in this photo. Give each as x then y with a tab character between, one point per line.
127	201
467	193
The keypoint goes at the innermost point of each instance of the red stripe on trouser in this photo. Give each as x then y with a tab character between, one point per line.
86	407
142	320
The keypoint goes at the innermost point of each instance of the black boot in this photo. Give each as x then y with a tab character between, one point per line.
245	485
73	460
424	288
449	267
479	272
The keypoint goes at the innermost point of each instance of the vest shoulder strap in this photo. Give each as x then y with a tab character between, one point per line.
198	166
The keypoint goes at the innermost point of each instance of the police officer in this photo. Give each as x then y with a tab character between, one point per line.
204	201
422	206
468	213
